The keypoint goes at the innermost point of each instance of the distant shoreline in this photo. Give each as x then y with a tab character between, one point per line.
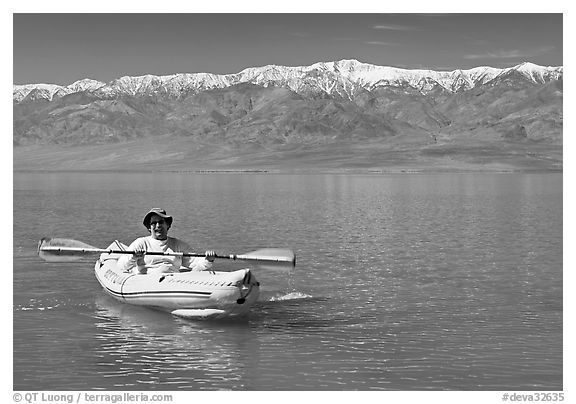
301	171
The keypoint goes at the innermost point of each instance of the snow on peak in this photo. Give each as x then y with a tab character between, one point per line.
536	73
342	77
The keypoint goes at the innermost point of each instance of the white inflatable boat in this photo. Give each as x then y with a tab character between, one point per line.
205	294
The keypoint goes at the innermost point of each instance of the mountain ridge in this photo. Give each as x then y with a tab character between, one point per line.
333	115
348	73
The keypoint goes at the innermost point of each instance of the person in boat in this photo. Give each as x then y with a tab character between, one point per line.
158	222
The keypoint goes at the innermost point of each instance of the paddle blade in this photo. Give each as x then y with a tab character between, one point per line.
62	250
273	259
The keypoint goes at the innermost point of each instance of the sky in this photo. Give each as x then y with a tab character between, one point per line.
61	48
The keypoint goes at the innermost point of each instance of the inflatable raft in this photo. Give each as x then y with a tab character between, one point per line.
205	294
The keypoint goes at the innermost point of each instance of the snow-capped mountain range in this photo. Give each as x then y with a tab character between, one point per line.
342	78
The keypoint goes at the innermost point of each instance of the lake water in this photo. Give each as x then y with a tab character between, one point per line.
403	282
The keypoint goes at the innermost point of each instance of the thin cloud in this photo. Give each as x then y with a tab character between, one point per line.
510	54
380	43
394	27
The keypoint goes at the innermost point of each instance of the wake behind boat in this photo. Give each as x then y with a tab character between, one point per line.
184	294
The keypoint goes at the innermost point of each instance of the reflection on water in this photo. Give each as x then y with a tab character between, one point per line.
407	282
139	346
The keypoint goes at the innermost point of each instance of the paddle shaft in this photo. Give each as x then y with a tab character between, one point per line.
234	257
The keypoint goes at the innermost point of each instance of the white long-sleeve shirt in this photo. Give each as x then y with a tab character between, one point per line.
155	264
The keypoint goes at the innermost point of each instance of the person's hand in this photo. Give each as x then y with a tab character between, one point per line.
138	255
210	256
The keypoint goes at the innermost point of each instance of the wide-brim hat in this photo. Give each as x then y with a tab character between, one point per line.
156	211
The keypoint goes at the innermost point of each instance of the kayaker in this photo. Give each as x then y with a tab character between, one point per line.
158	222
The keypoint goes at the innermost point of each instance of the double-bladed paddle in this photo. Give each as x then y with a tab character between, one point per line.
66	250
